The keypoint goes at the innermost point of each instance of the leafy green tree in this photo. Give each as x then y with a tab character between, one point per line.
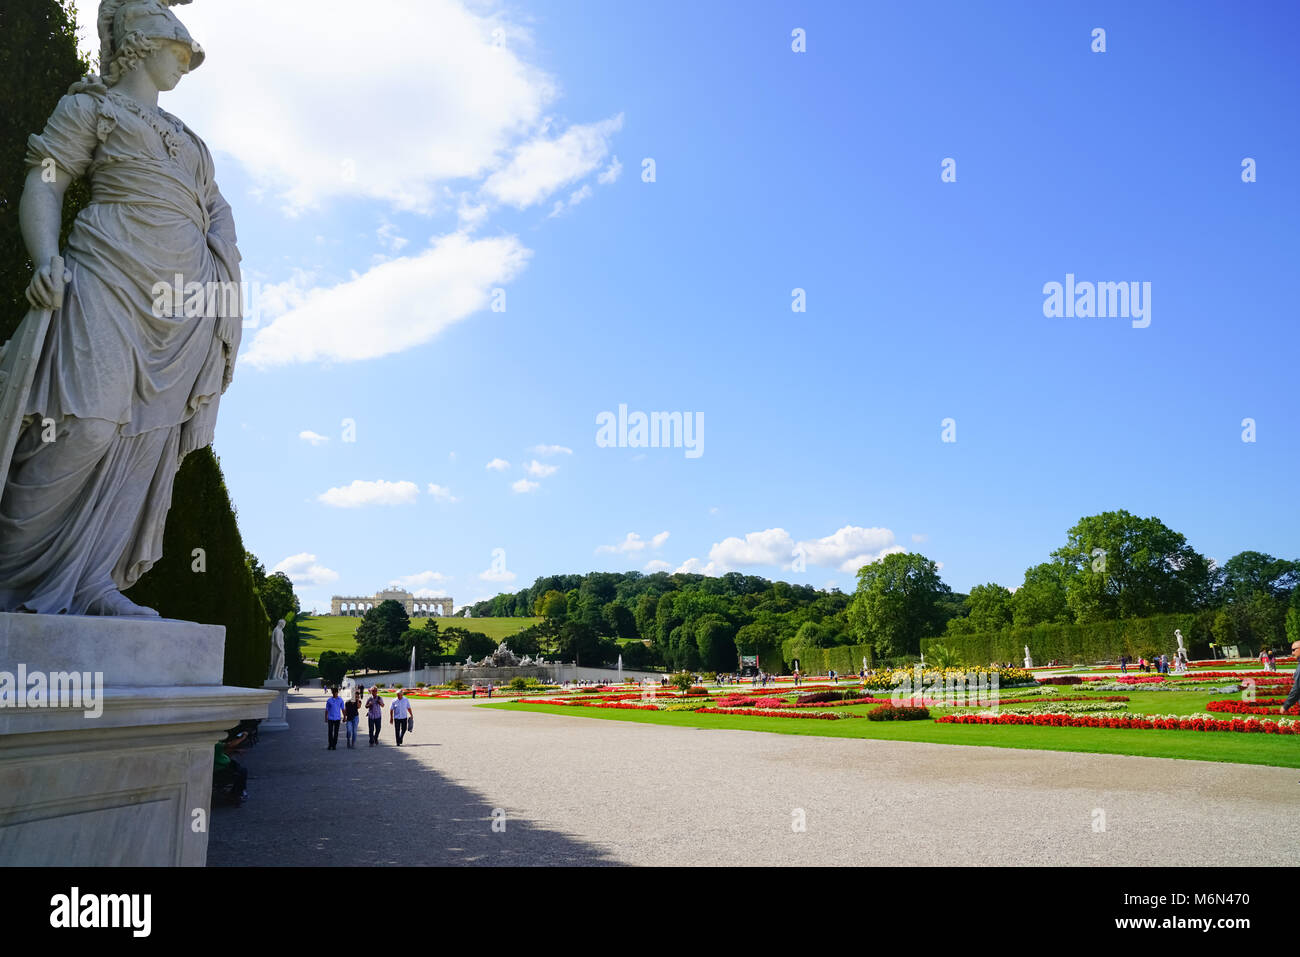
278	597
896	603
1293	617
1123	566
715	639
552	605
646	605
39	60
990	607
334	666
384	625
471	644
1248	572
619	621
579	640
1042	597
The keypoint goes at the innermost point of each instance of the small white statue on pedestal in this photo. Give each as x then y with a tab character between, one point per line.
1029	662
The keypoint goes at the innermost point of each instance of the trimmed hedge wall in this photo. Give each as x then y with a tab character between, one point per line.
846	659
201	516
1084	644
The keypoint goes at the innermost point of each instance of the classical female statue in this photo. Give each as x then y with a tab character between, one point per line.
103	390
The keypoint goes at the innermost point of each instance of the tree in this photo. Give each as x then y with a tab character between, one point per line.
896	603
578	640
552	605
471	644
384	625
990	607
277	596
1246	573
619	621
715	639
333	666
1121	566
1042	597
38	62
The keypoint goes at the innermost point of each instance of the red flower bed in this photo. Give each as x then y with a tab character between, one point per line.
842	702
1271	706
1250	725
1257	675
1129	679
1062	680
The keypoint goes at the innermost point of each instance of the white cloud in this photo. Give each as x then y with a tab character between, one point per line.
496	575
545	450
576	197
390	239
394	306
657	565
304	571
850	548
611	173
442	493
380	492
393	101
524	486
537	470
420	584
633	543
313	437
846	550
544	165
498	465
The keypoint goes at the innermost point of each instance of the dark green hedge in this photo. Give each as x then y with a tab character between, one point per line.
1084	644
201	516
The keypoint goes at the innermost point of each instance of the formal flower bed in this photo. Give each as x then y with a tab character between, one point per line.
1061	680
575	703
842	702
1130	679
1166	722
904	713
1271	706
887	679
1048	702
778	713
1203	689
1074	707
1257	675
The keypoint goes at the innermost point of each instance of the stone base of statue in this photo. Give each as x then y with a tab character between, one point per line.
114	768
1029	662
277	712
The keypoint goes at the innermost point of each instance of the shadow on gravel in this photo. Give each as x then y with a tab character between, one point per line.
311	806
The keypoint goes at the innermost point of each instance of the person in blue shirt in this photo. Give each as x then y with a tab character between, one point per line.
333	716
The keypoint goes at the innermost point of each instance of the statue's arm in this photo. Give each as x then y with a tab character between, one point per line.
40	215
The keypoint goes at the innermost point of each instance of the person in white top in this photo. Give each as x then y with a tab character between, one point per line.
399	715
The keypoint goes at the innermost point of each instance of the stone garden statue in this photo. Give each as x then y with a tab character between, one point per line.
107	385
1029	662
278	668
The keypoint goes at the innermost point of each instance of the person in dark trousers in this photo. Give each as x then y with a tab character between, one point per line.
234	772
375	713
398	715
352	716
333	717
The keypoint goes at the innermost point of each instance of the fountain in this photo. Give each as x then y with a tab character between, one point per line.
502	665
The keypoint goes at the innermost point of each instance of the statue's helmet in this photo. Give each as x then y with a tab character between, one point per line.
151	19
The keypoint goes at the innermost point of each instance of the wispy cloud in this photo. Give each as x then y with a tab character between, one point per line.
361	493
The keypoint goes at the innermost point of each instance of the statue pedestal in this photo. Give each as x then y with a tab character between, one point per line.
118	773
277	712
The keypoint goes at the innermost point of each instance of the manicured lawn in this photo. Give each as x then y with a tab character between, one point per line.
335	633
1276	750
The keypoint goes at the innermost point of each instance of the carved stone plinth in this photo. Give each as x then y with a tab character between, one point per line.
132	784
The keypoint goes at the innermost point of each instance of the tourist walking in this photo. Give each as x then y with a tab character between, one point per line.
399	715
352	716
333	716
1294	697
375	712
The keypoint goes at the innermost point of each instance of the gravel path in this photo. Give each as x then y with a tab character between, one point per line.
589	791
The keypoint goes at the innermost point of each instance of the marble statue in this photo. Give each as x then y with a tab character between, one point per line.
278	667
1029	662
1178	633
107	386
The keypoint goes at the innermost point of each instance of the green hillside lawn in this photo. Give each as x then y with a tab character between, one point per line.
335	633
1269	749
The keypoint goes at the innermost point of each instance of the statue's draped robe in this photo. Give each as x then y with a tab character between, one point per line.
130	391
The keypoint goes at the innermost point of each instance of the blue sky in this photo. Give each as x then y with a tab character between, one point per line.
385	181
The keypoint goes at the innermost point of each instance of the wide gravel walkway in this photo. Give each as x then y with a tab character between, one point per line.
588	791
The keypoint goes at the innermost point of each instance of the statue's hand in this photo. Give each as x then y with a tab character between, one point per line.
46	289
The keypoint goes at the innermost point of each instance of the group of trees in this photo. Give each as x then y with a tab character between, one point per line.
1117	566
1112	566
